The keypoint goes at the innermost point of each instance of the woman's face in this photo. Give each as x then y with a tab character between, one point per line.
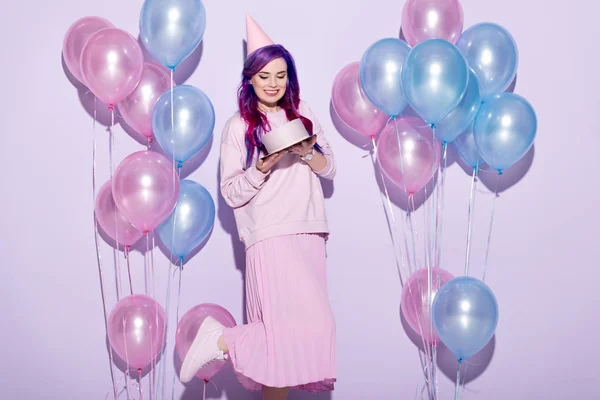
270	82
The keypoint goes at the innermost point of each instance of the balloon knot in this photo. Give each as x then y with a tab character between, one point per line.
460	360
111	107
181	260
150	140
500	172
179	164
146	232
139	370
393	117
432	126
206	381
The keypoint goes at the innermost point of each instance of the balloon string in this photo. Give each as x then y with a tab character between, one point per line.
410	263
180	269
470	219
413	231
153	338
97	244
140	383
116	258
162	372
434	370
389	213
440	207
457	388
204	391
489	239
127	253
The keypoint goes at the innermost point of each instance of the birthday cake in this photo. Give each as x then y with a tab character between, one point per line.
284	136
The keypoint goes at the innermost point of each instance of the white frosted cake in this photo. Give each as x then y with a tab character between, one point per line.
286	135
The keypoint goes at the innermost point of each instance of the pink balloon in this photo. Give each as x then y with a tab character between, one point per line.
351	104
188	327
111	220
415	304
432	19
137	108
145	188
136	330
75	39
420	153
111	64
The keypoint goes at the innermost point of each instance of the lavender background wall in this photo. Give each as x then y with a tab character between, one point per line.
544	258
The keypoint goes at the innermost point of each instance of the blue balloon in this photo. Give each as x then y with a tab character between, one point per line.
434	78
504	130
379	73
464	146
491	52
462	115
172	29
465	315
191	221
193	121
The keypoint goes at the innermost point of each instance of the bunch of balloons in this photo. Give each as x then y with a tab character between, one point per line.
440	85
454	81
145	192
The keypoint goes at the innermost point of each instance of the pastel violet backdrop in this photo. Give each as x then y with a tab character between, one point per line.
544	259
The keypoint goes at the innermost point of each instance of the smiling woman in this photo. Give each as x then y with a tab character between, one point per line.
270	83
289	341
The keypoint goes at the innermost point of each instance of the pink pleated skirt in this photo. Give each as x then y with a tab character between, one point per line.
289	340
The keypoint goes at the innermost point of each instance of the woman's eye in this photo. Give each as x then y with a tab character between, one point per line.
281	77
263	77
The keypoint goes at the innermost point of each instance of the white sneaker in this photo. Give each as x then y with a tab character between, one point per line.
204	349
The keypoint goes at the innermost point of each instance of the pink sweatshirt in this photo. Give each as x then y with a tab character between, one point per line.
287	200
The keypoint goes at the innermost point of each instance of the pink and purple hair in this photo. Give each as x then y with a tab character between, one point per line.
256	120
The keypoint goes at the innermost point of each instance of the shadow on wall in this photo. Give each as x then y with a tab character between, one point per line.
446	361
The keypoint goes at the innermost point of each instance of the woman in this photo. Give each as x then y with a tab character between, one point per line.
289	341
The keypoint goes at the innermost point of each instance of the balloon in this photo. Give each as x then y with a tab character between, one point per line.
352	105
194	121
137	108
462	115
465	315
145	189
415	303
136	329
465	147
188	327
492	53
420	153
432	19
434	77
191	221
111	64
172	29
504	130
111	220
380	71
75	39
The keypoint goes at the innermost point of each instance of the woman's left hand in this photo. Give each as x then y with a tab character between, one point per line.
304	147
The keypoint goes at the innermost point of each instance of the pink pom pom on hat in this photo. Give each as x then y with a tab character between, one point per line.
255	36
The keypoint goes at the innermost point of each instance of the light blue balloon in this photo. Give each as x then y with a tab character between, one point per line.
464	146
465	315
462	115
172	29
193	121
504	130
191	221
491	52
434	78
379	73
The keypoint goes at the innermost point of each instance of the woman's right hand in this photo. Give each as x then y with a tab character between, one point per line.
264	165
